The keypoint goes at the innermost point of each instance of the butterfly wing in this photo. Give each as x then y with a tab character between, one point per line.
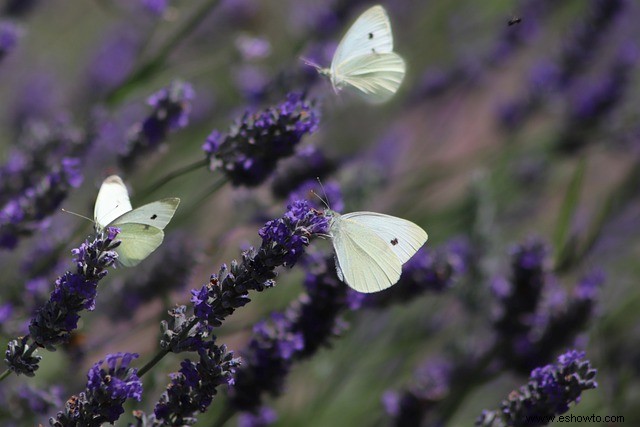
370	33
138	241
363	260
156	214
376	77
403	237
112	202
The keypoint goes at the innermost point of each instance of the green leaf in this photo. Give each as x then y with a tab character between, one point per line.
562	239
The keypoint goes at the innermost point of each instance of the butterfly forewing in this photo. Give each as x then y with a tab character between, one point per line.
156	214
363	260
371	33
403	237
112	201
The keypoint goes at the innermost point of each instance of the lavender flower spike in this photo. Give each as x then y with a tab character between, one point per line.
171	107
106	392
24	214
550	391
249	152
74	291
283	242
9	35
193	388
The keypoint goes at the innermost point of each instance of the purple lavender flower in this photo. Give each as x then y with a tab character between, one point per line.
19	357
25	214
114	59
170	271
550	391
266	362
170	112
314	192
43	145
529	328
36	100
263	417
432	383
40	401
74	292
594	102
155	7
6	311
107	391
283	243
250	151
427	271
194	386
528	270
581	45
307	325
10	33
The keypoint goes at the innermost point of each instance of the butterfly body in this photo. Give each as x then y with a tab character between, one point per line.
370	248
141	229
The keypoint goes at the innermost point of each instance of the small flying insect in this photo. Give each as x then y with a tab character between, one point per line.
514	21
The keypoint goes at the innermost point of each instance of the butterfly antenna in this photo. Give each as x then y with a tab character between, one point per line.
76	214
310	63
326	203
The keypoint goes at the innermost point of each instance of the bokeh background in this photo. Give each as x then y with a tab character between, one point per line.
513	141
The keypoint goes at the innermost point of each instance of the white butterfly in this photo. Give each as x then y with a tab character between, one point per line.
372	247
140	229
365	60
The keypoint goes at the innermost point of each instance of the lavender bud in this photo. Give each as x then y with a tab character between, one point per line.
74	291
19	359
427	271
170	112
25	214
194	386
10	33
155	7
107	391
263	417
307	325
550	391
250	151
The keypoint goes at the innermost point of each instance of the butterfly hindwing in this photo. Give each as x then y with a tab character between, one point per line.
137	241
376	77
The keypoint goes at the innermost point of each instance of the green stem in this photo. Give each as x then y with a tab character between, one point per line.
162	353
173	175
224	417
155	63
5	374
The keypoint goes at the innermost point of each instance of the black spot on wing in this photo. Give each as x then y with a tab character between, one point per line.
154	216
394	241
370	36
146	227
